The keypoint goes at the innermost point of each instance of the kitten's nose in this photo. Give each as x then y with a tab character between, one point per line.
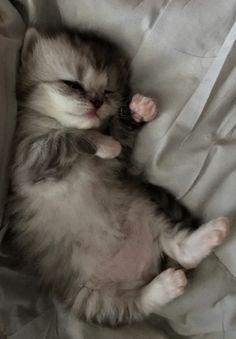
96	103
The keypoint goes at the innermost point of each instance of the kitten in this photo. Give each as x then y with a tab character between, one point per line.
94	233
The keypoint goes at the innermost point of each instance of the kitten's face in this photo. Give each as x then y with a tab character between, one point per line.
80	81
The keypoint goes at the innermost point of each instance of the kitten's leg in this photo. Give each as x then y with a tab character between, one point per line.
173	209
189	249
122	307
164	288
125	126
51	155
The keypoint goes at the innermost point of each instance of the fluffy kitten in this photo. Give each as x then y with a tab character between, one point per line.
94	233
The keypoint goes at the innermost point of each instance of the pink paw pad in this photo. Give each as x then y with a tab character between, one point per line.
220	229
143	108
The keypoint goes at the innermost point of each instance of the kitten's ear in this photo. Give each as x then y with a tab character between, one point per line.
30	39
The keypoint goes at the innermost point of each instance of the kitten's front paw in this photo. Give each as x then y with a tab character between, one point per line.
109	148
143	108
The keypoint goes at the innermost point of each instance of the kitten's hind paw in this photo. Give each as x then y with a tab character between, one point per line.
203	241
167	286
143	108
173	282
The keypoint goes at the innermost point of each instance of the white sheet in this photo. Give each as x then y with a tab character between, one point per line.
184	55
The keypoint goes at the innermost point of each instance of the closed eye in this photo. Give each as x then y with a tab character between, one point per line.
108	91
73	84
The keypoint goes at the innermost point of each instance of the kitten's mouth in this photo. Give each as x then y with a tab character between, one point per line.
91	114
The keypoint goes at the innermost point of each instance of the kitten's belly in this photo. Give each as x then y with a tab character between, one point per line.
134	260
111	244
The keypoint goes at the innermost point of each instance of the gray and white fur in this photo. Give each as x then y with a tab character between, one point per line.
94	234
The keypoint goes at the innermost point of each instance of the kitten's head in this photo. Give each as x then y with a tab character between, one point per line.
79	79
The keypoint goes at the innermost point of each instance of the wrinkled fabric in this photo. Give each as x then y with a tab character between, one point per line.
184	55
11	31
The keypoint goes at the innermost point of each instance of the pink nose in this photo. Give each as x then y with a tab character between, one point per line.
96	103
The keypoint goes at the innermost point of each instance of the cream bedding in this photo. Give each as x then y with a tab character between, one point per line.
184	55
